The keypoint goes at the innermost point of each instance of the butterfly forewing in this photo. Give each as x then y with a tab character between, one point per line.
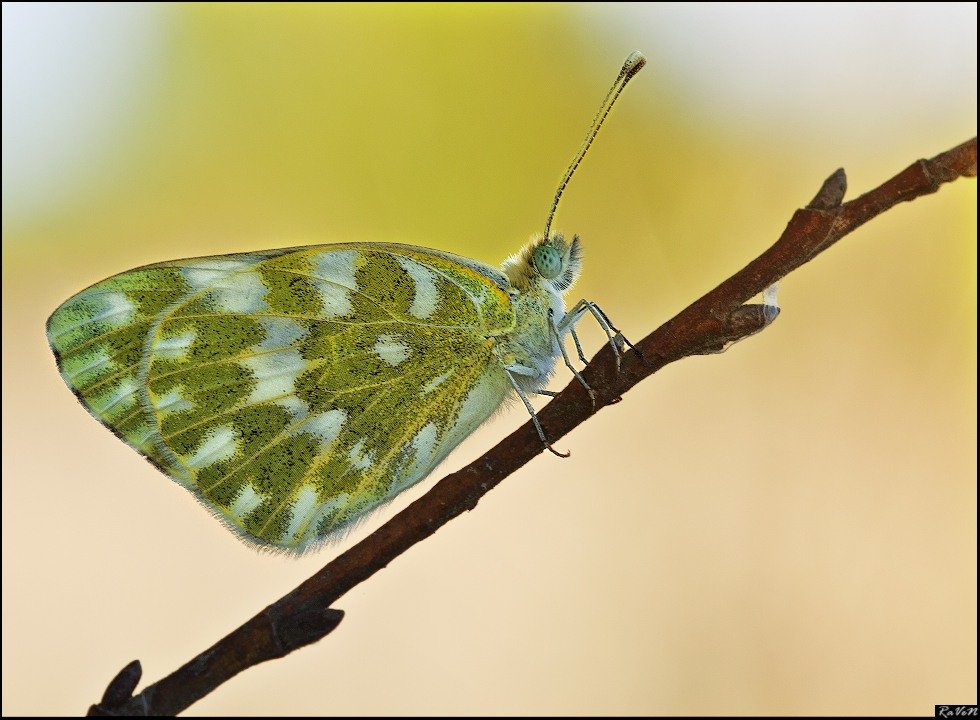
293	391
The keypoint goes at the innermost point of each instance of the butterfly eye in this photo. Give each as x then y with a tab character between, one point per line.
547	260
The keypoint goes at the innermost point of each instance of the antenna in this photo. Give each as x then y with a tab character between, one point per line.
631	67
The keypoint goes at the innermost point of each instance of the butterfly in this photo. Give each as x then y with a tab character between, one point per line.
293	391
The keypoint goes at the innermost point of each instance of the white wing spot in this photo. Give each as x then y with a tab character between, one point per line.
424	445
280	332
124	393
173	401
205	273
360	460
436	382
233	285
480	402
220	444
246	502
426	294
326	426
482	399
118	309
320	512
296	407
243	293
425	440
176	347
390	349
302	510
275	373
334	278
74	366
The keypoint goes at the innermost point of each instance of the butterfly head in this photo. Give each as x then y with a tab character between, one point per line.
550	263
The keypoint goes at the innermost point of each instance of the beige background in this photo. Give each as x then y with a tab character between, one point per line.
789	527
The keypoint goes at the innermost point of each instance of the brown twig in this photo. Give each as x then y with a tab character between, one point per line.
708	325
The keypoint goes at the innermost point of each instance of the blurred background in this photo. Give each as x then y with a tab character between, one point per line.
786	528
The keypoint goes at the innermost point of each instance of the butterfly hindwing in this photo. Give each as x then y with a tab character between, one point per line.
296	390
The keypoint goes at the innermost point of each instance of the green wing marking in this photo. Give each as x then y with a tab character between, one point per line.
291	391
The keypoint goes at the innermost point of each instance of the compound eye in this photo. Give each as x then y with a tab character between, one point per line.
547	261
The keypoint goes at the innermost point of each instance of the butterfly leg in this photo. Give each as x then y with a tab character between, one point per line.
559	338
512	370
568	323
578	345
613	333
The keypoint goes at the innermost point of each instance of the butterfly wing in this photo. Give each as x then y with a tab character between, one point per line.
292	391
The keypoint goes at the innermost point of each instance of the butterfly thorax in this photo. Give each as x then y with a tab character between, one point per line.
539	275
531	345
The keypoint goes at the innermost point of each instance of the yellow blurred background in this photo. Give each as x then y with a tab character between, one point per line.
786	528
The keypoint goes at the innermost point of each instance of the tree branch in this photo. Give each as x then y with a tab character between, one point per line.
708	325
